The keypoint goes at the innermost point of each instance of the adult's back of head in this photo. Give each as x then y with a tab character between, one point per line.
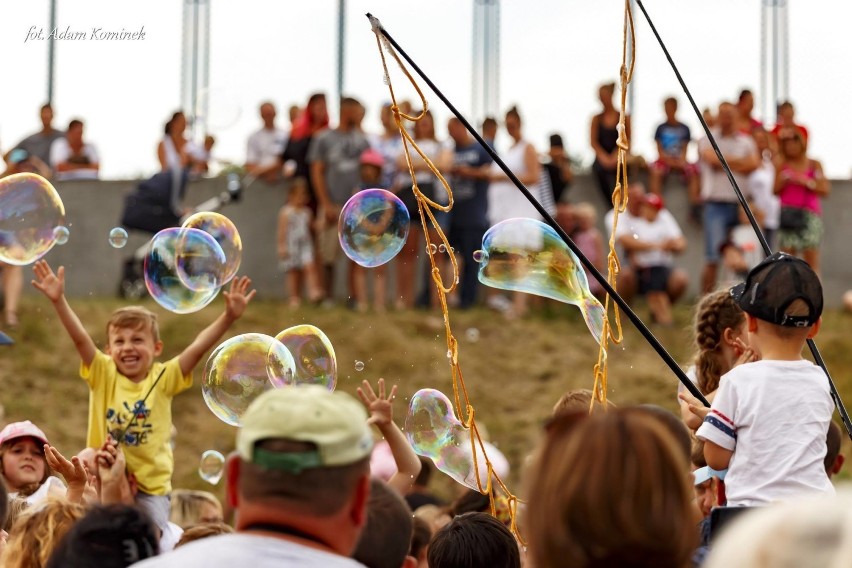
386	538
611	489
109	536
474	540
810	533
304	464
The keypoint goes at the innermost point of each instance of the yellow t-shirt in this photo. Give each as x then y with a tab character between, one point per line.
116	402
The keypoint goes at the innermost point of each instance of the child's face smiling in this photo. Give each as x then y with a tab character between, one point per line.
133	351
24	463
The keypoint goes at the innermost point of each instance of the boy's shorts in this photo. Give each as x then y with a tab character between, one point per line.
158	508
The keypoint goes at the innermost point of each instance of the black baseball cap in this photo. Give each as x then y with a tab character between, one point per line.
774	284
556	141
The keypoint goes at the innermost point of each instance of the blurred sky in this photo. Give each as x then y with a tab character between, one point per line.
554	53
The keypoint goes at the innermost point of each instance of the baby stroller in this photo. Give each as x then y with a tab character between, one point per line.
154	206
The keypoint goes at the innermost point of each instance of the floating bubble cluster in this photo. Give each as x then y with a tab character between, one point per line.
241	369
117	237
30	212
163	280
434	432
313	354
211	467
373	227
226	235
525	255
200	260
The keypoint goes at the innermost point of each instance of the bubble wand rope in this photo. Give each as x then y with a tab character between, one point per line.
631	315
838	402
425	208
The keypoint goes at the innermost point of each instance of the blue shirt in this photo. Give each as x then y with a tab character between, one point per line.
673	138
470	208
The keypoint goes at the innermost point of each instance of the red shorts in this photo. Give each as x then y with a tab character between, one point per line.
664	169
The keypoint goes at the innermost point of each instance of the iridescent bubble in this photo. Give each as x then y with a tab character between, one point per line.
359	366
117	237
442	248
241	369
525	255
313	354
30	210
225	232
434	432
61	234
478	256
432	248
200	260
211	467
373	227
161	277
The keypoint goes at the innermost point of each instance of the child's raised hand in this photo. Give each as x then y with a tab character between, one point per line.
694	405
238	297
380	407
73	471
50	284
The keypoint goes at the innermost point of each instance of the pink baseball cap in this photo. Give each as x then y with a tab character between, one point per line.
22	430
371	157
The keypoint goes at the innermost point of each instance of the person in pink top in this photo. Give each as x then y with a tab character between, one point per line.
800	184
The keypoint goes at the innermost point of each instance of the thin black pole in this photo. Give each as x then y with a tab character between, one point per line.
838	402
631	315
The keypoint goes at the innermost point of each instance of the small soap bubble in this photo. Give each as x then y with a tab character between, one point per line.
635	237
241	369
472	334
30	213
449	354
60	234
211	467
359	366
223	232
373	227
432	248
442	248
478	256
313	354
117	237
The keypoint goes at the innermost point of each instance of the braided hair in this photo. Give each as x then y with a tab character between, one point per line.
715	313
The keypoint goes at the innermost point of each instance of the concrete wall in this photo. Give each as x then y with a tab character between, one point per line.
93	208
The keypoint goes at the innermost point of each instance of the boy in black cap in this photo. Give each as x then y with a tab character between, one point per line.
769	418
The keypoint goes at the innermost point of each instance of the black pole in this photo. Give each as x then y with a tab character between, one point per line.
631	315
838	402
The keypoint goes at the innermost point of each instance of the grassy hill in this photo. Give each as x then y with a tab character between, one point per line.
515	370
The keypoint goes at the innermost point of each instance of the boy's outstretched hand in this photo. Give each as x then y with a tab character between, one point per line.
238	297
380	407
50	284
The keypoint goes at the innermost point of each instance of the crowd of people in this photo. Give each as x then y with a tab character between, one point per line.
310	484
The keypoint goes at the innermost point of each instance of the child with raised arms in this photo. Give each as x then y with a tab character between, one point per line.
130	394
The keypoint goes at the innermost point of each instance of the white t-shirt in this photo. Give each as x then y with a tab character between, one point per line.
241	549
661	229
60	151
761	182
714	182
264	147
774	416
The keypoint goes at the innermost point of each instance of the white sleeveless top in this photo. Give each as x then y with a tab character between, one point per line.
505	201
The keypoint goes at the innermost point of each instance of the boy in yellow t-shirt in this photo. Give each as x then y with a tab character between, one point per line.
131	394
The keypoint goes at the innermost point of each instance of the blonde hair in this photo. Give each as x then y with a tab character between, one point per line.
715	313
186	506
586	209
38	531
577	400
204	530
610	489
134	317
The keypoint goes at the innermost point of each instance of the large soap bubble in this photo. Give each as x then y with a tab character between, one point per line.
373	227
316	363
200	260
30	211
162	280
225	233
241	369
525	255
434	432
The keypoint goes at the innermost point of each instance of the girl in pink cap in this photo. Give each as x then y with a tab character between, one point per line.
23	463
